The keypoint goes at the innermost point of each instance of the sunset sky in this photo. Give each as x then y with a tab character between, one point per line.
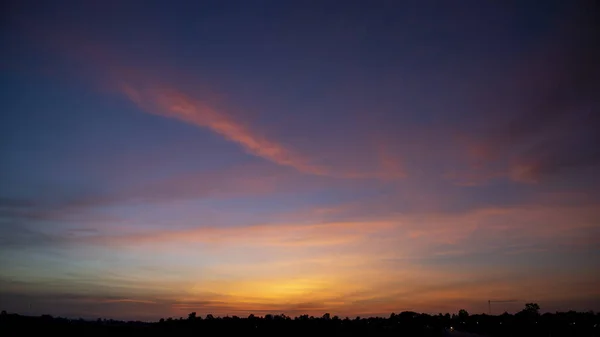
298	157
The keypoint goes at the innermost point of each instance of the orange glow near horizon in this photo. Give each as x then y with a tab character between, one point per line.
201	159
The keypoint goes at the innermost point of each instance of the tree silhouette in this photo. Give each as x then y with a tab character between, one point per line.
532	308
192	315
407	323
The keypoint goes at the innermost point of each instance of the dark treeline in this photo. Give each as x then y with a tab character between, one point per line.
528	322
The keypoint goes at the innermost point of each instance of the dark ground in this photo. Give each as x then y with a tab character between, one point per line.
403	324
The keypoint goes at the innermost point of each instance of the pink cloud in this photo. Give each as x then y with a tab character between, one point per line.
165	91
281	235
173	103
390	162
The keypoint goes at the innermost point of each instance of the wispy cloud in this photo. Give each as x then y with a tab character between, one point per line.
342	230
551	128
166	91
264	268
280	235
173	103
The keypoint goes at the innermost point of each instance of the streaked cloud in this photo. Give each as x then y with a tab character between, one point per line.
415	183
169	92
172	103
280	235
532	139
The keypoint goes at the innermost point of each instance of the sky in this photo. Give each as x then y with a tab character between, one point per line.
298	157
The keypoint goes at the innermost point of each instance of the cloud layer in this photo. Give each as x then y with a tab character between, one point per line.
354	165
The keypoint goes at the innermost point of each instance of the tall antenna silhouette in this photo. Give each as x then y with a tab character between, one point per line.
497	301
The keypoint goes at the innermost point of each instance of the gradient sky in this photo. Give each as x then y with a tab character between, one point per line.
351	157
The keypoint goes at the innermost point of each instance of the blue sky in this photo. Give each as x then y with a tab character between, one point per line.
299	157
